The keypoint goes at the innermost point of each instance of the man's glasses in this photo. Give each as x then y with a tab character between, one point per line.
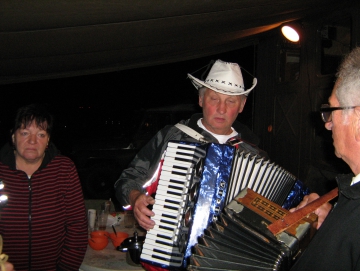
326	111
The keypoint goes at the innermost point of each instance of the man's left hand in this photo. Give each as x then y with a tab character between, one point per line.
321	212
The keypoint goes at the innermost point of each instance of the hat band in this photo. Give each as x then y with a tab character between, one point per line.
225	83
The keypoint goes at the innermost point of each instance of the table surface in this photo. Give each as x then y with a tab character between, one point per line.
109	259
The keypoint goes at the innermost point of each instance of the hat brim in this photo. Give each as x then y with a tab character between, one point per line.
198	84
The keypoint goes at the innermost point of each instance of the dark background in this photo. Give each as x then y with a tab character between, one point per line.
112	103
97	116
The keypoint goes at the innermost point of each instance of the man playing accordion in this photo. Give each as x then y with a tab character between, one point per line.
222	96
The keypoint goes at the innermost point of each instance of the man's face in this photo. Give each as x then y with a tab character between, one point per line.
30	143
343	129
220	111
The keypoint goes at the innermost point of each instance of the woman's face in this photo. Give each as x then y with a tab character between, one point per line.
30	143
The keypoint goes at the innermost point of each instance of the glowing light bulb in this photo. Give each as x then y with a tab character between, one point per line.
290	33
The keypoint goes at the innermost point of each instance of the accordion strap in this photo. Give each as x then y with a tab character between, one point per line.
292	218
191	132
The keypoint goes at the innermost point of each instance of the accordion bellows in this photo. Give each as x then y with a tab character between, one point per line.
240	239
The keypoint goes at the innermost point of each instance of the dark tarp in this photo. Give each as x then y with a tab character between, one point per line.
42	39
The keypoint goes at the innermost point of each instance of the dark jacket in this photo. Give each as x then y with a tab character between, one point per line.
336	246
44	224
146	162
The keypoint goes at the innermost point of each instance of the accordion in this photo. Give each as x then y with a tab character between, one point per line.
241	240
196	182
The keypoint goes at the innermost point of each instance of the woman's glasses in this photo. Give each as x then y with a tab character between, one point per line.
326	111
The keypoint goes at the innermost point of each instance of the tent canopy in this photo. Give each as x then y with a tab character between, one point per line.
43	39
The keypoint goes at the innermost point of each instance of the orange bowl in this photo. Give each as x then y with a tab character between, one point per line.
99	234
119	238
98	243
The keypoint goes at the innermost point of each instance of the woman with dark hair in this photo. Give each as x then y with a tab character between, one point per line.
44	224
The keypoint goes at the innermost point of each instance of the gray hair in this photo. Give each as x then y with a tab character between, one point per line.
348	88
202	91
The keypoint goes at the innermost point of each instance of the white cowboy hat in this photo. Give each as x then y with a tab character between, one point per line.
225	78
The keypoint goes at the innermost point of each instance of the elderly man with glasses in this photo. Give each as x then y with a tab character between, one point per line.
336	244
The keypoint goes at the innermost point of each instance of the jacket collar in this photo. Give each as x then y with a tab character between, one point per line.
244	132
344	181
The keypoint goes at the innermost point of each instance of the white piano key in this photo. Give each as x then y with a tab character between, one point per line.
179	207
173	185
159	210
196	149
171	194
173	191
162	217
166	175
166	221
174	182
151	243
186	148
170	257
176	171
165	240
182	153
173	171
164	200
180	145
175	160
171	233
159	261
155	250
165	237
179	159
168	229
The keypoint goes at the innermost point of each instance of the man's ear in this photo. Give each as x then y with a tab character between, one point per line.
357	123
242	103
13	139
201	99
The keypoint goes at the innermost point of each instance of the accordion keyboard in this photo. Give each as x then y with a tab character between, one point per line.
178	173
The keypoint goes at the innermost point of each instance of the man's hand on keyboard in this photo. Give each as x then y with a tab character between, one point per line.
142	213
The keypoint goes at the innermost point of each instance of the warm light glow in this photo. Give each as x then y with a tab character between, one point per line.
290	33
3	198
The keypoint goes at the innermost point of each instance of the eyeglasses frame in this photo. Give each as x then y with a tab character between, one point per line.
326	108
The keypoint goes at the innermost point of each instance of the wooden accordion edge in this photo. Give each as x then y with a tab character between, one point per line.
274	213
